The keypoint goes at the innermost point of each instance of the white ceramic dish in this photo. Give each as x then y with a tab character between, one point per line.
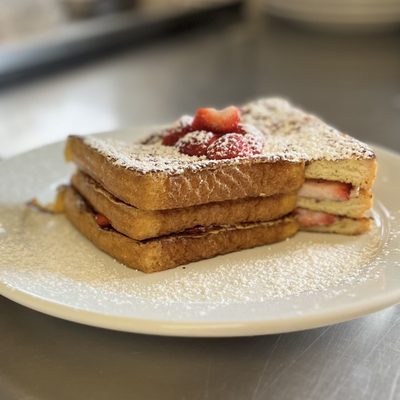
347	15
305	282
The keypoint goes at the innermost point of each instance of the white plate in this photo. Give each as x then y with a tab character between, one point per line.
334	14
305	282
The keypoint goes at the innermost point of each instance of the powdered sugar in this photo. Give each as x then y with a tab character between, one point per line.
290	134
146	158
231	145
195	137
69	264
285	125
195	143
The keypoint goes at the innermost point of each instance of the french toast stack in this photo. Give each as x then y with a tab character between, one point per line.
154	206
216	183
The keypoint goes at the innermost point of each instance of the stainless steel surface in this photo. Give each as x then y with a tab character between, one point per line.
77	41
46	358
350	81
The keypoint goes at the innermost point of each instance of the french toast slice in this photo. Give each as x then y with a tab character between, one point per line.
333	161
360	173
328	154
170	251
157	177
143	224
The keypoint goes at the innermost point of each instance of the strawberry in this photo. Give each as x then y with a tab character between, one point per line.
102	220
230	145
321	189
173	135
309	218
196	143
255	139
179	130
217	121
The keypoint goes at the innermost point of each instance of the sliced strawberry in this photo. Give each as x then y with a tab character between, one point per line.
196	143
309	218
102	220
321	189
217	121
173	135
180	129
230	145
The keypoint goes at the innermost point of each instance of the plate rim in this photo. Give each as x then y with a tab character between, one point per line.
197	328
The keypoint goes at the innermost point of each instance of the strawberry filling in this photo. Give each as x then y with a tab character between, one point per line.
321	189
102	220
309	218
215	134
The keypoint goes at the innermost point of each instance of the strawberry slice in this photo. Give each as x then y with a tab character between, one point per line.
230	145
179	130
309	218
217	121
196	143
174	134
321	189
102	220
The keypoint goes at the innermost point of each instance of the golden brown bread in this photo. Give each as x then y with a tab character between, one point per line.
143	224
161	190
166	252
360	173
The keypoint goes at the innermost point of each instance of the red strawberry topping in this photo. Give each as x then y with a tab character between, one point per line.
309	218
102	220
216	134
230	145
217	121
196	143
173	135
181	128
255	139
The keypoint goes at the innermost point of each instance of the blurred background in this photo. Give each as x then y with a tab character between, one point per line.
84	66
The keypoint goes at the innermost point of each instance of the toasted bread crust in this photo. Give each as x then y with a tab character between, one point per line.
160	191
143	224
170	251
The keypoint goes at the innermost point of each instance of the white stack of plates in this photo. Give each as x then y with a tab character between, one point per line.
339	14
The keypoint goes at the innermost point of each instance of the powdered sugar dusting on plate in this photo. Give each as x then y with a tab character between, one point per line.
69	265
